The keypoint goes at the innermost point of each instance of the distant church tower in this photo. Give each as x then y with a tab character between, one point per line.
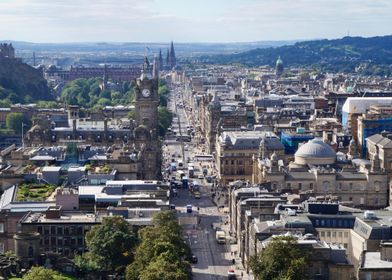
279	67
167	59
172	58
160	60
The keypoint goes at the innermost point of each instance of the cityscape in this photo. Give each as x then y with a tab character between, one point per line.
164	140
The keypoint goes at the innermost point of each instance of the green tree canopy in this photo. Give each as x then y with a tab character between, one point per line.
111	243
41	273
162	253
88	93
165	118
14	121
282	259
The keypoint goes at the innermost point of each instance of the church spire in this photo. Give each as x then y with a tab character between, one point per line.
172	58
155	68
167	59
160	60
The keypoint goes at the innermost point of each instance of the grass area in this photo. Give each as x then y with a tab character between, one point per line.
34	192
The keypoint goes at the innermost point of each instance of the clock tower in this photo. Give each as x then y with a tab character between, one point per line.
147	99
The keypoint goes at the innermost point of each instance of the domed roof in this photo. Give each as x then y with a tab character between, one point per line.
316	149
279	61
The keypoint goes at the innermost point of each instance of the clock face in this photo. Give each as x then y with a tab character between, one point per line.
146	92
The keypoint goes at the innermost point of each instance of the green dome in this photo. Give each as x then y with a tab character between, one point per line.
279	61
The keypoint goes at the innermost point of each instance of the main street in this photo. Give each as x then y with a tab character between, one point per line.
214	260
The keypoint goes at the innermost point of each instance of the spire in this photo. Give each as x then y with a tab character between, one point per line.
146	69
167	59
160	60
155	68
172	56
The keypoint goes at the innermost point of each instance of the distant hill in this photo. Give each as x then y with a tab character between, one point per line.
21	83
332	55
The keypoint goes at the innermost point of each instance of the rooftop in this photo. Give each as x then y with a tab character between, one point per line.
67	217
372	260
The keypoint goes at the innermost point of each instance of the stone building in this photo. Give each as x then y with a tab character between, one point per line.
59	232
235	151
317	170
7	50
139	136
377	265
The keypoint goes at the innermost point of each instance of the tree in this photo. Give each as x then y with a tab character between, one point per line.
111	243
14	121
41	273
86	263
162	252
282	259
162	269
165	118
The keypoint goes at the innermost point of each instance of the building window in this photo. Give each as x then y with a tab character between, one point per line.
346	235
328	234
334	234
351	186
1	227
377	186
345	245
340	234
1	248
289	185
300	186
311	186
322	234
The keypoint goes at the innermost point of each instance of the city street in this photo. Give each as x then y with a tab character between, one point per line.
214	260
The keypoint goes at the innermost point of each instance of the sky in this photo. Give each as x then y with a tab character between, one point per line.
191	20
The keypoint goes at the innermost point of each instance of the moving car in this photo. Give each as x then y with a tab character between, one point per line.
189	208
194	259
197	195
